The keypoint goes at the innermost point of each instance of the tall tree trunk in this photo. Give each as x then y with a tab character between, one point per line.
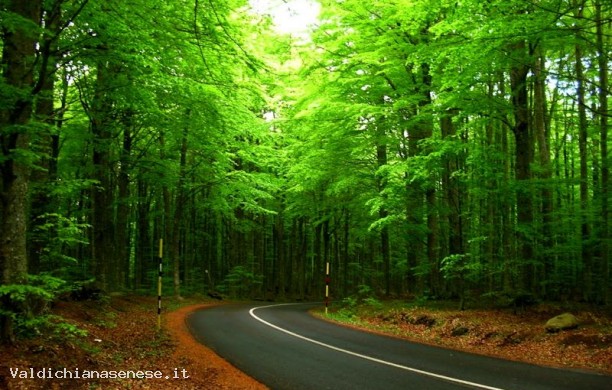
326	252
454	195
166	202
585	227
426	131
102	128
345	251
279	246
122	230
603	113
545	171
523	157
492	229
508	252
177	219
143	238
41	202
18	61
381	159
293	271
317	266
302	264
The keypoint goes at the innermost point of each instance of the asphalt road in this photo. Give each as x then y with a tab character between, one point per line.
284	347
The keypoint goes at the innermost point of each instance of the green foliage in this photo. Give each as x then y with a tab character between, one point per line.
385	143
363	297
59	234
240	282
22	300
32	299
372	303
28	306
461	266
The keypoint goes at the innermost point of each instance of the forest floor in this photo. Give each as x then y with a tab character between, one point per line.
504	333
122	336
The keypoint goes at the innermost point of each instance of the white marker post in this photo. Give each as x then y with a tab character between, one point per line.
159	283
326	286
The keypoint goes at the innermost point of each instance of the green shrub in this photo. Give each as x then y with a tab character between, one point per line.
27	305
240	282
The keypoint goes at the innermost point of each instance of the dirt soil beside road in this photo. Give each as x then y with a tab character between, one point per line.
122	336
502	333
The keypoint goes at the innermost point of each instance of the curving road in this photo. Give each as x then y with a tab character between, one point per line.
284	347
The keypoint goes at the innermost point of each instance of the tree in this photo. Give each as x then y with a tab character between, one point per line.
20	32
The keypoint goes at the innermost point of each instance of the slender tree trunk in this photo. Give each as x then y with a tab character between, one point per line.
523	157
605	166
454	196
381	159
345	251
585	227
318	261
292	257
143	239
279	230
326	253
123	207
508	251
302	254
414	245
426	131
545	171
166	203
491	229
177	220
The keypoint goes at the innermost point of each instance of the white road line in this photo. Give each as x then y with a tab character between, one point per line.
366	357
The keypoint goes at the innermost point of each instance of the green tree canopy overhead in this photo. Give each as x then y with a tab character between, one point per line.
419	147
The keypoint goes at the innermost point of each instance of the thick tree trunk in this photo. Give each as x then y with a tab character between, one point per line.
102	194
18	61
41	201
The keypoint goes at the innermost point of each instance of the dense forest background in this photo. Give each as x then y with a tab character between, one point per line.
429	148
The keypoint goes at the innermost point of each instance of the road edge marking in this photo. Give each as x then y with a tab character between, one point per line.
359	355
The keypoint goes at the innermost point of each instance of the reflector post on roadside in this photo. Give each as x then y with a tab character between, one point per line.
326	286
159	282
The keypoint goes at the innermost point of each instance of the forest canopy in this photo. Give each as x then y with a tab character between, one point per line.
421	148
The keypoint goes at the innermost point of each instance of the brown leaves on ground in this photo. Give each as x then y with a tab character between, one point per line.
121	337
502	333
